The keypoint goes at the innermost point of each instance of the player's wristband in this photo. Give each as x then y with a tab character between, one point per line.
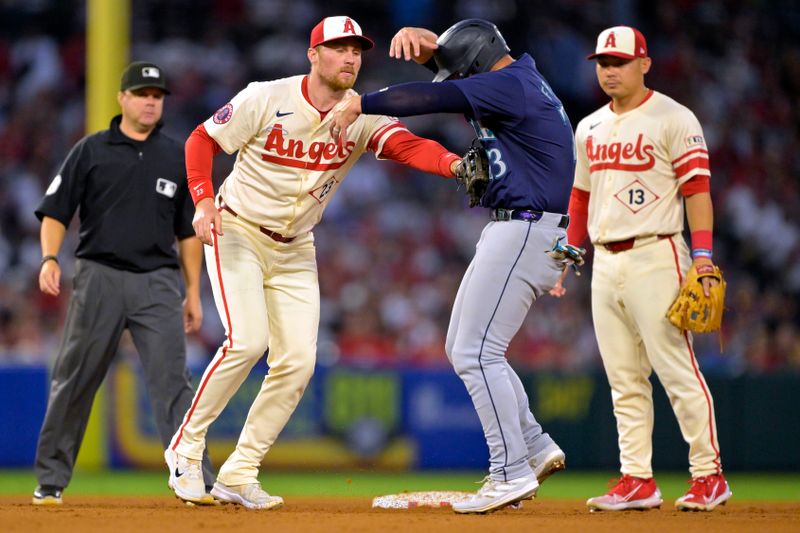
702	239
701	252
47	258
201	188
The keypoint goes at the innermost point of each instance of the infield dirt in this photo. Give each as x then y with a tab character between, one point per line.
305	514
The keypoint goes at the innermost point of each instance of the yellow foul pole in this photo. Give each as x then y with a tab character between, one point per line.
107	48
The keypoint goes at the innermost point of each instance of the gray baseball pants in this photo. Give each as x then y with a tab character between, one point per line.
104	302
509	271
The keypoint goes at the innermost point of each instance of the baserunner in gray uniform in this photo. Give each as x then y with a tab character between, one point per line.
528	139
130	184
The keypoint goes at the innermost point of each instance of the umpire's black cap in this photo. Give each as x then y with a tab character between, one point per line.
140	74
468	47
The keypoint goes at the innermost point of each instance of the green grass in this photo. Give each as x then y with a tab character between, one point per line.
568	485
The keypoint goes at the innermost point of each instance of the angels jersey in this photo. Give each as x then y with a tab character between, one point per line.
288	165
634	163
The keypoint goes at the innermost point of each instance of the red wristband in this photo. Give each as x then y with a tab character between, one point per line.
201	188
702	239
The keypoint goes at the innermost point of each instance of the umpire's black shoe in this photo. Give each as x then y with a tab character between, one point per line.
47	495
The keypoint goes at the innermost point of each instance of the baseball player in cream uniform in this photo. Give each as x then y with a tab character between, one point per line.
641	159
260	255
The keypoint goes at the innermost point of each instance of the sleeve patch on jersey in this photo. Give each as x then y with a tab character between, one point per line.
54	185
224	114
695	140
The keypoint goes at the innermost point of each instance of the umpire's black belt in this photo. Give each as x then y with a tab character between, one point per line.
528	215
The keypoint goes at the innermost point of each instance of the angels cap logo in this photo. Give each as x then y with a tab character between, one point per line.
620	41
341	27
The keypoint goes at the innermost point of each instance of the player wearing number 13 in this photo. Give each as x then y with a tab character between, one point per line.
641	158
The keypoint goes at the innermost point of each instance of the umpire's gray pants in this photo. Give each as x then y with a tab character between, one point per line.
104	302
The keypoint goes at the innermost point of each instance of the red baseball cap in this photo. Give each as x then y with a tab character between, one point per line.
334	28
620	41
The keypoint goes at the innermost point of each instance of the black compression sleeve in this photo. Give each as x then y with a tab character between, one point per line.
416	98
431	65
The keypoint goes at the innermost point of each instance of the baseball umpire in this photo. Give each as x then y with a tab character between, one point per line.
130	184
524	141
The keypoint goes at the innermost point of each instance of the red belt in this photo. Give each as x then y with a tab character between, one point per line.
627	244
269	233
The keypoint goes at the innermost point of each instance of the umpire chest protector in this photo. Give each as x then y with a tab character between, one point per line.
468	47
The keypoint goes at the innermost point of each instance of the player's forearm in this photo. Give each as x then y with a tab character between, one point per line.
190	251
578	216
200	150
700	215
420	153
416	98
51	236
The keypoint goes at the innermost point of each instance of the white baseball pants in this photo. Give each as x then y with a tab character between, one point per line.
267	295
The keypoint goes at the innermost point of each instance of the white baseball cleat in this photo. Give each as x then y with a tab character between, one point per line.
250	495
186	479
544	464
494	495
547	462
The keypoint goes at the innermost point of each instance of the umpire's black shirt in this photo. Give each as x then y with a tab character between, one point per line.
133	199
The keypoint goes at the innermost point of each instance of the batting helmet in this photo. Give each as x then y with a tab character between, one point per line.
468	47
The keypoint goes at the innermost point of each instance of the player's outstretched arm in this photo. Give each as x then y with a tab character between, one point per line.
413	43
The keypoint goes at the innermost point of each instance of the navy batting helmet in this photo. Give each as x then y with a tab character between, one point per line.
468	47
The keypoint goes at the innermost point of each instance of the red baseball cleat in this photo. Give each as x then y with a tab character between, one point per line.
705	493
628	493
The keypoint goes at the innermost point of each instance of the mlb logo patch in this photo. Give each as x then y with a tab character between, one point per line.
695	140
150	72
166	187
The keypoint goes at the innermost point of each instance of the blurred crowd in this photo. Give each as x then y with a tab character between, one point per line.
394	243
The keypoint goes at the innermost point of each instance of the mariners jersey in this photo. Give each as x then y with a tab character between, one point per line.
288	166
527	136
634	163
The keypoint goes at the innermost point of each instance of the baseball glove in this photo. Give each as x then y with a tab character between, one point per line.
473	173
692	309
